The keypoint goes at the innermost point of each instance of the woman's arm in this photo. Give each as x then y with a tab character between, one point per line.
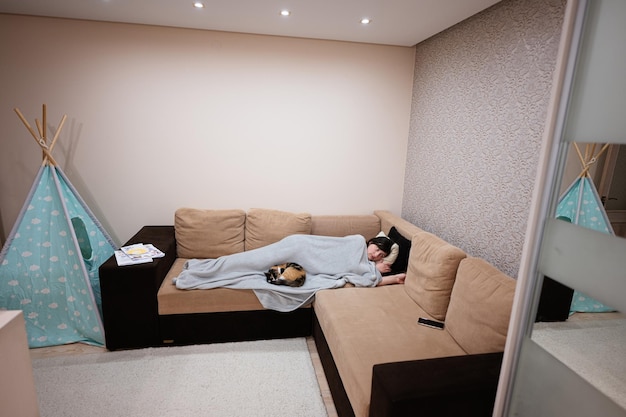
392	279
389	279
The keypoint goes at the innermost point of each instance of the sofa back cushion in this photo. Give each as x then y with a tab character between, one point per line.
480	307
264	226
366	225
208	233
404	227
431	272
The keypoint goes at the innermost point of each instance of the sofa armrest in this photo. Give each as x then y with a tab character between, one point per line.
163	237
450	386
129	293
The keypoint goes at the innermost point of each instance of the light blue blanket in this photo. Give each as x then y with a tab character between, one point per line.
330	262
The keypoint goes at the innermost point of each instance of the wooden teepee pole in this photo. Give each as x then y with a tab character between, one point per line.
56	134
41	140
580	156
42	129
44	111
589	158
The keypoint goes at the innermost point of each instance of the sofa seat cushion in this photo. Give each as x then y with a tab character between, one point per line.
368	326
431	273
480	306
171	300
208	234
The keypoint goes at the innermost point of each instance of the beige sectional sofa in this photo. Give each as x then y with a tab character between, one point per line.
378	360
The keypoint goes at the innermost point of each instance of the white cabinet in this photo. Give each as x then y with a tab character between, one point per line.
18	397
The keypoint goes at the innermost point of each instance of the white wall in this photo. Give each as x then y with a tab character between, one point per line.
161	118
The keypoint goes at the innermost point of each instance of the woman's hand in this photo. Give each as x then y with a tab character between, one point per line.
383	267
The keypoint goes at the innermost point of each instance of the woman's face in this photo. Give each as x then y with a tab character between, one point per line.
374	253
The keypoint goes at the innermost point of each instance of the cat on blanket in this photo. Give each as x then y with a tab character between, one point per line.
289	273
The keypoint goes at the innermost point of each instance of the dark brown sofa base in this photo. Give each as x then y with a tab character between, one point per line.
452	386
129	293
340	398
186	329
130	308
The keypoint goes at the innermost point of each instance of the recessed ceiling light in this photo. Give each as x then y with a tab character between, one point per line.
198	5
285	13
366	21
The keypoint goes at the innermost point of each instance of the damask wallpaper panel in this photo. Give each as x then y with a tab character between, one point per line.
480	96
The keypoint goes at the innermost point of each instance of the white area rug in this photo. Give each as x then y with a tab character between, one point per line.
265	378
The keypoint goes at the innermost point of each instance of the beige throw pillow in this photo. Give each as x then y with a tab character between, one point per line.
393	253
431	272
209	234
264	226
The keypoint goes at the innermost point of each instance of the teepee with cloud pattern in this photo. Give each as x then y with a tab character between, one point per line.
49	263
581	204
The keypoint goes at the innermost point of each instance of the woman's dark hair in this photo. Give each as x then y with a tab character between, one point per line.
383	243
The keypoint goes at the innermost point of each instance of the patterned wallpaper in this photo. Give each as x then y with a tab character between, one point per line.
480	96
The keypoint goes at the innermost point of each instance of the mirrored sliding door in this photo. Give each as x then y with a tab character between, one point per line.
577	367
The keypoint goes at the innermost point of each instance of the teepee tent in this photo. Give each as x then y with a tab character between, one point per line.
581	205
49	263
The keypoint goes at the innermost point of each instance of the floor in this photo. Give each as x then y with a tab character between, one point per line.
578	320
593	345
84	349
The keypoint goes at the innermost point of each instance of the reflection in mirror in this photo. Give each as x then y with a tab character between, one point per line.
604	167
591	344
612	187
583	333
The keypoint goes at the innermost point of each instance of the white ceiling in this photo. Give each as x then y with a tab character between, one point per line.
394	22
